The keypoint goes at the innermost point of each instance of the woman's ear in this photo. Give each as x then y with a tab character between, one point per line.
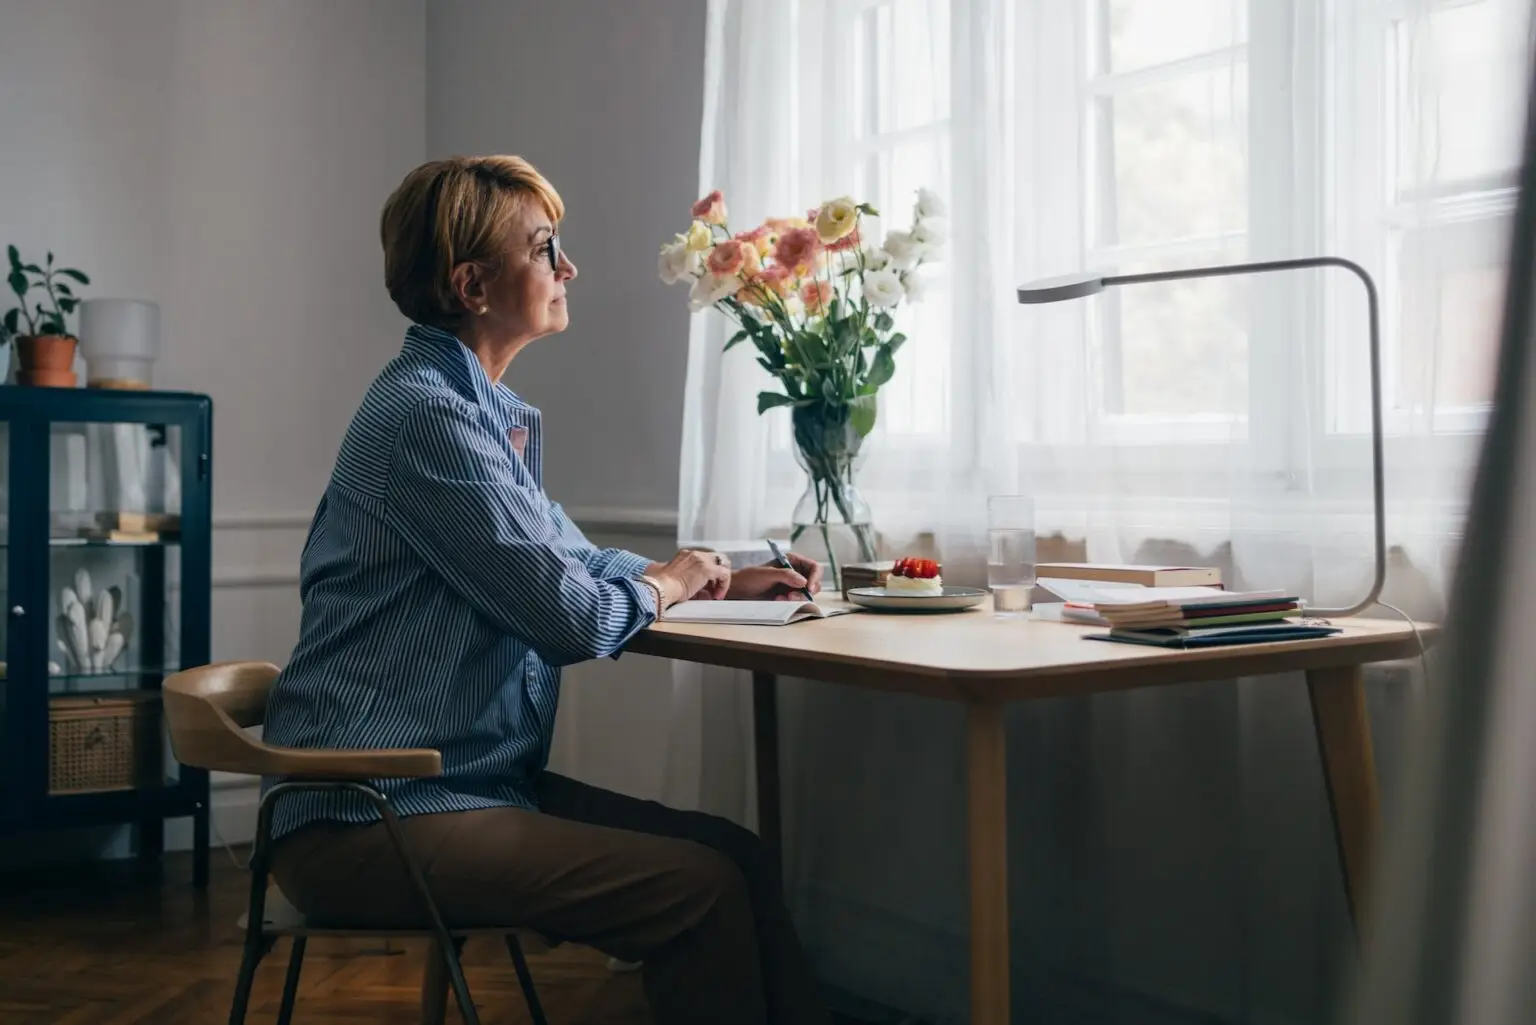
468	281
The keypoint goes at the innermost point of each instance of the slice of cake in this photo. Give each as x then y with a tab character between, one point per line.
915	576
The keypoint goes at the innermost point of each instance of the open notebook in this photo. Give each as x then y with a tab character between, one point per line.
750	613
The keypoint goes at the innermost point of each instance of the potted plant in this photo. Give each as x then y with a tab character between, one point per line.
45	350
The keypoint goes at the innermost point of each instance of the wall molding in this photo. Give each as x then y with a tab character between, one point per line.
610	519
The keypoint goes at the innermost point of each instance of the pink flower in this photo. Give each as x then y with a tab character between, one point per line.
711	209
777	279
817	295
848	241
761	238
797	249
731	257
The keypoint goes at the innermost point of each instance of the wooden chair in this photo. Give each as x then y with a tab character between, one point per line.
208	710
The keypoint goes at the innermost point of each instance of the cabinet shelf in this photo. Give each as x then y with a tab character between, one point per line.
63	736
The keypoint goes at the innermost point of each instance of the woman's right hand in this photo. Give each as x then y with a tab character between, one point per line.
695	574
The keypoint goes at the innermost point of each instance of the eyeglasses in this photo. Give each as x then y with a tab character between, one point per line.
551	246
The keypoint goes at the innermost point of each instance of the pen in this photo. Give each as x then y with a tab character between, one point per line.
778	557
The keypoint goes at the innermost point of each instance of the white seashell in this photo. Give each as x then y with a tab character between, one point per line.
54	669
96	631
79	642
64	647
83	586
113	649
68	599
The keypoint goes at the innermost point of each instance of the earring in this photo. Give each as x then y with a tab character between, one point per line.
484	310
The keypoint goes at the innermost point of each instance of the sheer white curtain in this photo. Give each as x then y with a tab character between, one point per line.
1170	847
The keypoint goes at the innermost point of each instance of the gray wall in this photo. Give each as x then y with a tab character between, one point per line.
228	160
605	98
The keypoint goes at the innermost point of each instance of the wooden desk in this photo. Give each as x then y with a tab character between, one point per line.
984	663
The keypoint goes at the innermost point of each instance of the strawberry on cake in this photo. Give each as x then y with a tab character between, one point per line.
915	576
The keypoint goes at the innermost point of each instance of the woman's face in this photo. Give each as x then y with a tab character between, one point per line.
526	299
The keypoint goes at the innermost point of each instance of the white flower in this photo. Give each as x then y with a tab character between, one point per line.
699	236
930	205
904	249
882	288
875	258
931	232
678	262
915	286
710	289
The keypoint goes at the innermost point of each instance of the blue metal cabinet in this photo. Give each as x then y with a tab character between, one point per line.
107	492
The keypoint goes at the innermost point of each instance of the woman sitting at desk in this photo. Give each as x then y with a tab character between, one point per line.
443	590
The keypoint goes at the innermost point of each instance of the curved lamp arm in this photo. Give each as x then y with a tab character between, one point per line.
1078	286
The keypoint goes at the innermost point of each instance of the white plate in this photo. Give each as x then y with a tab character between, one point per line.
949	600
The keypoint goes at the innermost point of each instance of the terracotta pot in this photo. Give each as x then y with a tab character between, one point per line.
47	378
46	352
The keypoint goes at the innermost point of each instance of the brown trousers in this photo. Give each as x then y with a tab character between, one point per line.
691	895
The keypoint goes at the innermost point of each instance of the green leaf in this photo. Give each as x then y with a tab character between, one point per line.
34	268
71	273
737	337
767	400
883	368
13	321
15	257
62	289
895	342
18	282
868	208
50	257
861	414
68	305
883	321
812	349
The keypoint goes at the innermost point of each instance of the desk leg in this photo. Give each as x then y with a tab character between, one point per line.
1349	767
988	827
765	730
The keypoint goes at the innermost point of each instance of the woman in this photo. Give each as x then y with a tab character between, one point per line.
443	590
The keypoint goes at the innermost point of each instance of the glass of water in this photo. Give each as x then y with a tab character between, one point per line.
1010	553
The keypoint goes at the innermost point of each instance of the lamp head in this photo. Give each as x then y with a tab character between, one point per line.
1069	286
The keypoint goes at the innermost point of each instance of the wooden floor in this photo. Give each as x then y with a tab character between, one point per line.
95	946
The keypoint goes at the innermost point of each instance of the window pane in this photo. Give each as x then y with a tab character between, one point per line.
916	400
1146	32
1461	89
1450	308
1174	161
1178	348
908	77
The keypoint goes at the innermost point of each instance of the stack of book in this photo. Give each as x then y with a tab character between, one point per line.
1196	617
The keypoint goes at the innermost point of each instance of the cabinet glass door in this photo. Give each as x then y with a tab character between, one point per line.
114	583
5	599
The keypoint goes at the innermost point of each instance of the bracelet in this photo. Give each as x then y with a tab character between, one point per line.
660	592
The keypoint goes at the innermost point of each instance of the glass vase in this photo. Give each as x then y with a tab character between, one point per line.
832	522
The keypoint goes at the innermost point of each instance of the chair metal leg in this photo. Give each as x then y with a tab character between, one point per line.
525	977
254	947
291	983
456	980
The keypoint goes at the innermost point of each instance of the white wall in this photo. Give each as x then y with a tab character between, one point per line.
228	159
605	98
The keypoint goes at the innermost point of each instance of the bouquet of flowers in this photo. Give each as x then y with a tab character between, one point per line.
815	298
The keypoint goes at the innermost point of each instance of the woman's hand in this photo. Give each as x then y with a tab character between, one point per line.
775	583
695	574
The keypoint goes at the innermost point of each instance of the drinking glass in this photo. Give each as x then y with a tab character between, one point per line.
1010	553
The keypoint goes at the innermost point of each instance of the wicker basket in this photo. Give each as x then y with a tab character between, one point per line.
104	741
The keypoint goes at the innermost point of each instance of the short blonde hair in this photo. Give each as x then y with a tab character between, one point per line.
448	212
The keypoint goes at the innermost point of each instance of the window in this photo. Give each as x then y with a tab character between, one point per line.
901	88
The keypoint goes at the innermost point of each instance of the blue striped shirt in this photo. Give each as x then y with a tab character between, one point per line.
442	590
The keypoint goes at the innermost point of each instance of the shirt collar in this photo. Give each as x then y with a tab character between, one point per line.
450	355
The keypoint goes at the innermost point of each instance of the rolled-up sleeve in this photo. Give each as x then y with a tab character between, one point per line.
600	562
453	496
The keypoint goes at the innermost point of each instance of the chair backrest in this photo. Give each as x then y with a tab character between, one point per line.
209	708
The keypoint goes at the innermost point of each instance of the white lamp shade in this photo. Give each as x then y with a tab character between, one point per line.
119	338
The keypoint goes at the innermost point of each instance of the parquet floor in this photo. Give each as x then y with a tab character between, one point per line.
98	946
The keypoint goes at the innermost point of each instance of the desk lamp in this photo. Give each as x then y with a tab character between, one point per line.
1078	286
